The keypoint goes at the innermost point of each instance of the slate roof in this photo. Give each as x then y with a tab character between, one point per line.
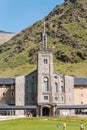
8	107
80	81
84	106
7	81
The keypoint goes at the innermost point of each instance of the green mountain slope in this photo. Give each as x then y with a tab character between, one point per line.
66	27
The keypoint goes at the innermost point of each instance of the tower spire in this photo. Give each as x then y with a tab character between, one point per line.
44	39
44	26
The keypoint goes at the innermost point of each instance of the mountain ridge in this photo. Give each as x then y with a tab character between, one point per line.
66	28
1	31
5	36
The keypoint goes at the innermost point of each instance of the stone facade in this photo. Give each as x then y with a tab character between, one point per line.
44	88
53	89
69	90
45	76
7	94
31	89
80	90
7	91
20	93
69	94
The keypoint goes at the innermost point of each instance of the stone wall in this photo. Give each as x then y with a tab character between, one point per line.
31	88
45	70
69	90
20	93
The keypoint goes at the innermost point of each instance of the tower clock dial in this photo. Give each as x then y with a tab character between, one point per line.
45	79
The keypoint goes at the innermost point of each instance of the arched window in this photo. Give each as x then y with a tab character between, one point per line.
56	86
46	84
62	89
62	99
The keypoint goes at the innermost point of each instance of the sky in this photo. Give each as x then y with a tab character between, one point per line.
16	15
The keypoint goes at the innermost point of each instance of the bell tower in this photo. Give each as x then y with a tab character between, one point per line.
45	72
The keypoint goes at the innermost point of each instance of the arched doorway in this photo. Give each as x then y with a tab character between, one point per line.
46	111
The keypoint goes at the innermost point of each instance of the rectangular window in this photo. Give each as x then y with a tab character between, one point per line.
45	61
81	102
62	99
45	97
56	98
33	87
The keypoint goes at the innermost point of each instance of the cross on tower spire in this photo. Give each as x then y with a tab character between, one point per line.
44	39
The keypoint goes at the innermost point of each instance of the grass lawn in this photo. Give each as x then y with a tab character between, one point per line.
42	123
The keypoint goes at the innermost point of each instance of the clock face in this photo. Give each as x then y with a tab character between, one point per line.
45	79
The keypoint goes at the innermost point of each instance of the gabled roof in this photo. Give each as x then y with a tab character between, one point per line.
80	81
7	80
31	73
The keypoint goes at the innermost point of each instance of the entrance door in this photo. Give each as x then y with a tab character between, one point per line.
46	111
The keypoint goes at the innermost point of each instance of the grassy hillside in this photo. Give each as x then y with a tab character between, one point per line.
66	27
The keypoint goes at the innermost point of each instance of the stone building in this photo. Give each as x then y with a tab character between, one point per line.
7	94
80	91
44	88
